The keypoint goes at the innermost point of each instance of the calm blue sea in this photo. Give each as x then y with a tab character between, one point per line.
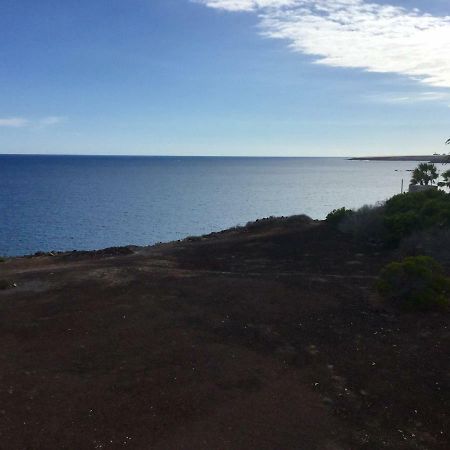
77	202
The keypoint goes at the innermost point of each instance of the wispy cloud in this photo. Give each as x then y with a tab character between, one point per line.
411	97
13	122
22	122
357	34
49	121
247	5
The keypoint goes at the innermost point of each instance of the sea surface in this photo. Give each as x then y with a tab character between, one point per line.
91	202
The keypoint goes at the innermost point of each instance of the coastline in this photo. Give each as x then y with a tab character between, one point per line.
159	206
436	159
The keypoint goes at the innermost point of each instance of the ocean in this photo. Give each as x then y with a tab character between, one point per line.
91	202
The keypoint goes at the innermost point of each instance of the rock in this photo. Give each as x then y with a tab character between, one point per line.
353	263
312	350
7	284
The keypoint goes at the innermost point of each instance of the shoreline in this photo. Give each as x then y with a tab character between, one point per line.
116	250
436	159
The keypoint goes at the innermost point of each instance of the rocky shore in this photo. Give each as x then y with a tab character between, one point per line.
269	336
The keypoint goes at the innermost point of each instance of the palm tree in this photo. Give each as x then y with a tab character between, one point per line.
446	182
425	174
417	177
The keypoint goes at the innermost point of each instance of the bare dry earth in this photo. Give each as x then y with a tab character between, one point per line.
263	338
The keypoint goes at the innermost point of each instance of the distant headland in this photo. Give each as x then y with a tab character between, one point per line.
437	159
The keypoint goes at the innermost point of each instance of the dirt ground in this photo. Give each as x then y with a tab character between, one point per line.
270	337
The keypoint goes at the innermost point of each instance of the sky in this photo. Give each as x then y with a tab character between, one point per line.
225	77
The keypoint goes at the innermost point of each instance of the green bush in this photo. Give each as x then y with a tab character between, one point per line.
416	211
398	218
336	216
417	283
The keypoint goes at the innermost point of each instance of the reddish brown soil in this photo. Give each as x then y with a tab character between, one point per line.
268	338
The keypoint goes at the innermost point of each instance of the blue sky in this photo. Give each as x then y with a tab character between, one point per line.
224	77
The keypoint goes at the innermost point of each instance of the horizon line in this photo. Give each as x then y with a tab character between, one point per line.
171	156
219	156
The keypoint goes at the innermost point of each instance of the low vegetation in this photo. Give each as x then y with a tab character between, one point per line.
419	211
273	221
396	219
417	226
337	216
433	242
415	284
366	224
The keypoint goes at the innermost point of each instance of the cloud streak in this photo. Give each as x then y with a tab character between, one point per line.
357	34
21	122
13	122
49	121
399	98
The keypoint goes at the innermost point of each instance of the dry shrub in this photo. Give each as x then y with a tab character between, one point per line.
272	221
434	243
366	224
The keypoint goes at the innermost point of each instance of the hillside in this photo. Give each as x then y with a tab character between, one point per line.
264	337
